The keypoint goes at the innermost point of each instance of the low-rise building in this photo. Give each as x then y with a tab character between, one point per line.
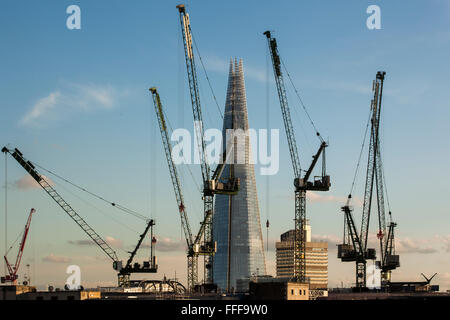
277	289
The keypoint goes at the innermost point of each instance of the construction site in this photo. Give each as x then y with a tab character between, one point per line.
225	256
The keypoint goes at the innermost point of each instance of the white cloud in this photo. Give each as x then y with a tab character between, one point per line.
332	240
70	99
408	245
317	197
168	245
27	182
114	242
56	259
82	242
445	241
41	107
88	242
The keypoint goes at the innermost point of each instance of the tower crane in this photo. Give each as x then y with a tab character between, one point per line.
374	178
123	273
12	277
210	185
147	266
302	184
195	246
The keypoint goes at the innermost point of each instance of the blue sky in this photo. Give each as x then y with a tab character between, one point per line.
77	102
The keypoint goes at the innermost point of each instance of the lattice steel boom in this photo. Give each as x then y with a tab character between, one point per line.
301	184
210	186
29	167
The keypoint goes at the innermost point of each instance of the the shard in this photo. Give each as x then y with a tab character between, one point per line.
236	222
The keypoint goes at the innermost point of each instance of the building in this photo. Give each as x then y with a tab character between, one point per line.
316	259
273	289
236	221
10	292
19	292
242	285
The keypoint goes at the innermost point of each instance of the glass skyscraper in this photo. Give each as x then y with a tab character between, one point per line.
236	221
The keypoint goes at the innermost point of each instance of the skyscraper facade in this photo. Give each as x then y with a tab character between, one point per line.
236	221
316	257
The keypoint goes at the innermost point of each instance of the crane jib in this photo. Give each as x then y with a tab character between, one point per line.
29	167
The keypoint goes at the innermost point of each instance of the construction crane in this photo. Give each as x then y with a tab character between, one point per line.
210	184
12	276
374	177
123	274
192	259
146	267
302	184
352	247
195	245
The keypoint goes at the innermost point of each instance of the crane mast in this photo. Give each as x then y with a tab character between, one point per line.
194	245
374	168
374	178
12	277
358	251
211	186
208	196
301	184
192	264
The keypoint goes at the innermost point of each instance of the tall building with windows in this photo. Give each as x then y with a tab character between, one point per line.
316	258
236	221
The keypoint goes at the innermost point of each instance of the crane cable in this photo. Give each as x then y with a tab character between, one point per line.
206	74
189	169
360	154
18	237
301	101
384	182
96	208
118	206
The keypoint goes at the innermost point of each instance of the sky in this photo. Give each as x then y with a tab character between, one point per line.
76	102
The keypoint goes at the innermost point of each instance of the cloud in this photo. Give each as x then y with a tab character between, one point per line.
445	241
88	242
332	240
41	107
81	242
319	198
114	242
403	245
168	245
56	259
27	182
408	245
70	99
